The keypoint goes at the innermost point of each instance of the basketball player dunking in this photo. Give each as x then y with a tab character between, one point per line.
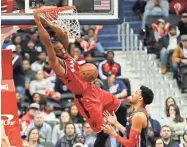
137	124
90	100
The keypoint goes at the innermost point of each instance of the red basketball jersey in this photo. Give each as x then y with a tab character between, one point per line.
72	77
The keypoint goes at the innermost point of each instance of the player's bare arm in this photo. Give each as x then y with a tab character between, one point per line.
112	119
46	40
139	121
62	36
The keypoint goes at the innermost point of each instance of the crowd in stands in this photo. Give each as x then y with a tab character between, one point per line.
164	26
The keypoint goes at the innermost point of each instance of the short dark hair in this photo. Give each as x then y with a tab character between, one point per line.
172	27
67	124
27	60
147	95
86	54
165	126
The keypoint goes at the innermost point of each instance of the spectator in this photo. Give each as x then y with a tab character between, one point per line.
158	142
166	137
175	122
167	45
29	116
16	39
109	66
139	6
58	130
78	145
48	113
182	25
25	143
98	83
19	50
184	143
36	98
68	139
40	84
43	128
180	55
115	86
34	138
7	42
89	135
178	6
49	73
20	107
168	102
93	37
60	86
75	116
88	56
153	129
76	54
33	35
161	28
18	75
39	64
155	8
29	73
79	139
29	52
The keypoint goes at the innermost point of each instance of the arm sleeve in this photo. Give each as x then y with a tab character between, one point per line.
55	135
48	139
132	141
119	72
32	88
58	143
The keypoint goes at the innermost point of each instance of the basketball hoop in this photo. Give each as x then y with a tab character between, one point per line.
65	18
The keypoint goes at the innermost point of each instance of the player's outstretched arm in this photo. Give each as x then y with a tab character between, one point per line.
138	123
46	40
59	32
112	119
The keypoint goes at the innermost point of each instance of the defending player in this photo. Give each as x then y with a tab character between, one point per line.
137	124
90	100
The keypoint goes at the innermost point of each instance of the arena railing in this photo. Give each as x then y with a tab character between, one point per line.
129	39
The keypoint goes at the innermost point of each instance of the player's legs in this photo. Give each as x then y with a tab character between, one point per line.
101	139
93	112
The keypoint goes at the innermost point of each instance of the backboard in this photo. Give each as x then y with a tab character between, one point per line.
90	12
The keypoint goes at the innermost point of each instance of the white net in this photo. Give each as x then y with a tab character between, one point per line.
66	19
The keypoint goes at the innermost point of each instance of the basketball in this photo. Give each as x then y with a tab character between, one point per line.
88	72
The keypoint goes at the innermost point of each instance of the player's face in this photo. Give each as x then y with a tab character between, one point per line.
59	49
136	96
